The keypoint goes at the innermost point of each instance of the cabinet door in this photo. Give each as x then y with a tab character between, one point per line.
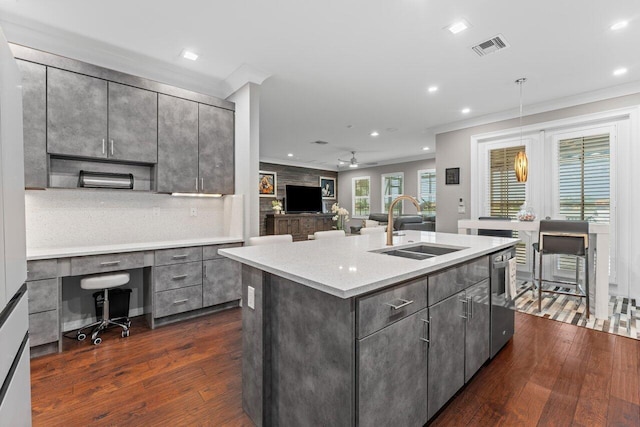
177	145
446	351
216	149
76	114
221	282
133	124
392	374
34	107
477	333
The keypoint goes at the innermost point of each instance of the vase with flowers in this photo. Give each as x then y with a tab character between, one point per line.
341	216
276	205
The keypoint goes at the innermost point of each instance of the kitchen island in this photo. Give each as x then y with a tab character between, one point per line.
337	333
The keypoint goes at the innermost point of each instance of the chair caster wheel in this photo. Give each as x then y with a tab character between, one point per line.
129	324
97	341
125	334
81	337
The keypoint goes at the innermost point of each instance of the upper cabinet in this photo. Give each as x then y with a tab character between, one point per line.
216	150
34	106
76	114
177	145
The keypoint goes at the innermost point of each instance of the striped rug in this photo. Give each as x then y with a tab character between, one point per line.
624	314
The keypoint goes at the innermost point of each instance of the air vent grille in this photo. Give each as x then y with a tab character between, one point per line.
494	44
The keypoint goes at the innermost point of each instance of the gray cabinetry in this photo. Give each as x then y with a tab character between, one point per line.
477	328
34	107
446	350
76	114
177	145
216	150
393	368
133	124
221	282
43	294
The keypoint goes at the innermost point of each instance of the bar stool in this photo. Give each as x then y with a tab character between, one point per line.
104	282
559	237
328	234
268	240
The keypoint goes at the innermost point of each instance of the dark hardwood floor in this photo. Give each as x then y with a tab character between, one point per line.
551	374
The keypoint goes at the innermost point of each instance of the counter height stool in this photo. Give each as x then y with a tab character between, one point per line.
268	240
329	234
561	237
104	282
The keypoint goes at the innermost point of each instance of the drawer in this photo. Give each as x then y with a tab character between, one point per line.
15	395
43	327
178	255
390	305
43	295
178	301
13	327
222	281
104	263
177	276
449	282
42	269
211	251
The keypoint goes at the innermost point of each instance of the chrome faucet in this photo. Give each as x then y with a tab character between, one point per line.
390	217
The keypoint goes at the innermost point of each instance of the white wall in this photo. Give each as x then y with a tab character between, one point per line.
410	170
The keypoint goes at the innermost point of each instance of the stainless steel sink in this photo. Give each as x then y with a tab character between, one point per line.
420	251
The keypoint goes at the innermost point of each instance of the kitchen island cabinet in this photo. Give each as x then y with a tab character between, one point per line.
337	324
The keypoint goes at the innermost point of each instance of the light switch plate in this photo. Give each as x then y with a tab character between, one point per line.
251	297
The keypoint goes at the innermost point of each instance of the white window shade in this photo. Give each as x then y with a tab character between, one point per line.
427	191
361	190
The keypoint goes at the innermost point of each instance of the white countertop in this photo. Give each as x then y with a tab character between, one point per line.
64	252
345	267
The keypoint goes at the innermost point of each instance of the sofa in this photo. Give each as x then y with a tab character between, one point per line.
402	222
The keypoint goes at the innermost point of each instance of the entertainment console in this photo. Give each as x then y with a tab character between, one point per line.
299	225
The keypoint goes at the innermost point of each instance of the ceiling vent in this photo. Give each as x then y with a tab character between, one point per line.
494	44
319	142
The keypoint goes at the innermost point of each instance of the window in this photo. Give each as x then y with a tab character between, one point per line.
427	191
392	187
361	190
584	192
506	194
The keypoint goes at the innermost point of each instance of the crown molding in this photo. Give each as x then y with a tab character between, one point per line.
241	76
298	164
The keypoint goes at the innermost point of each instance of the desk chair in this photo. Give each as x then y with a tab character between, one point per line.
329	234
104	282
372	230
559	237
267	240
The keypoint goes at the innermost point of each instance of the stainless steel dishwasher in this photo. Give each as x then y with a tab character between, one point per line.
502	302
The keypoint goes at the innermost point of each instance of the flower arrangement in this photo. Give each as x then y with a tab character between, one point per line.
341	216
276	205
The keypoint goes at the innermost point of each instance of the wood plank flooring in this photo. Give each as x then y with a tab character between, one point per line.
551	374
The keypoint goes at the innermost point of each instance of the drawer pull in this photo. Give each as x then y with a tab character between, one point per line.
182	276
110	263
179	256
403	303
180	301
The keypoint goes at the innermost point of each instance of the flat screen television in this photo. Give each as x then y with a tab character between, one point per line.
300	198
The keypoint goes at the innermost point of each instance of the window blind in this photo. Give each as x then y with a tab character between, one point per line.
361	197
506	194
392	187
427	192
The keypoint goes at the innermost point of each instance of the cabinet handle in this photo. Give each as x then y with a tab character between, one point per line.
196	185
181	301
428	339
470	307
398	307
110	263
464	314
104	149
179	256
182	276
204	269
111	145
201	184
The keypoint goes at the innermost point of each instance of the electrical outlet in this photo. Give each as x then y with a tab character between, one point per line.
251	297
156	211
194	212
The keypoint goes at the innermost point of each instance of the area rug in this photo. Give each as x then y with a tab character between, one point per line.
624	314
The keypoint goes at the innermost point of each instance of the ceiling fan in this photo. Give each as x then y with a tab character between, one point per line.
353	162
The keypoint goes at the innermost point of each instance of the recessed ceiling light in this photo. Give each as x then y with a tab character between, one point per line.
425	148
458	26
375	133
290	155
466	110
187	54
619	25
620	71
341	162
433	89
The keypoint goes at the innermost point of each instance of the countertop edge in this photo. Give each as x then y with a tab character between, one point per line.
46	253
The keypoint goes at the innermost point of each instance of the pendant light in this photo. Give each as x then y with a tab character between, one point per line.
521	164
